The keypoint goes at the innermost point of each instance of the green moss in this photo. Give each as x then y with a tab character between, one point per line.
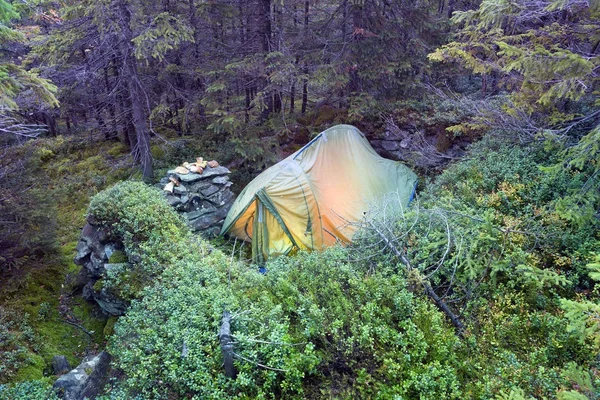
63	166
65	172
98	285
158	152
91	318
45	154
93	163
109	327
34	370
117	149
117	257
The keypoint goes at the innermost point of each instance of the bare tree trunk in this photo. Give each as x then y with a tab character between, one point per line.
141	150
111	106
264	37
354	84
293	94
68	123
51	123
305	68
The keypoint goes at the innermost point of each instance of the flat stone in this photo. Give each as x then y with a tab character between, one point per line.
220	170
179	189
198	213
83	251
93	237
173	200
95	266
109	249
185	199
206	221
188	178
109	303
194	177
209	191
199	186
221	180
221	198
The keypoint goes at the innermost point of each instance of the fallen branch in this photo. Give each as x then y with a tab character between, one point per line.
227	345
426	286
259	364
90	334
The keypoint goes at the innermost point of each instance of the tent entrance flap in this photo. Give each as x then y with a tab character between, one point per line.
269	237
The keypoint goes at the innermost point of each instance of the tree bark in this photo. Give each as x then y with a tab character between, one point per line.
305	68
139	114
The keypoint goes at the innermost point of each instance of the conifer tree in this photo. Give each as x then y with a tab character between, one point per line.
13	77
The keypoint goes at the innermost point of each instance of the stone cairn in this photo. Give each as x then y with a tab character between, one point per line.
201	192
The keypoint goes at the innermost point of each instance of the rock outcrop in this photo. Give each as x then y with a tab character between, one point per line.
96	253
60	365
85	381
203	199
424	148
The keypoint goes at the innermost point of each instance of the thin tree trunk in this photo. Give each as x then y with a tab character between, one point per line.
305	68
292	95
111	106
264	31
141	150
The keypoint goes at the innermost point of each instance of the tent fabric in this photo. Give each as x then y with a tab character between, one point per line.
310	199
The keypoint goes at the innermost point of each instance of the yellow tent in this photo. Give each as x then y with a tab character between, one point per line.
307	200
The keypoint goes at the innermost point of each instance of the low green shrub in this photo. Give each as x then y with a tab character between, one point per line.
153	234
353	323
30	390
314	323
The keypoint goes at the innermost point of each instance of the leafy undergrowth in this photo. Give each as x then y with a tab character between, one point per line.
45	191
491	235
505	238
